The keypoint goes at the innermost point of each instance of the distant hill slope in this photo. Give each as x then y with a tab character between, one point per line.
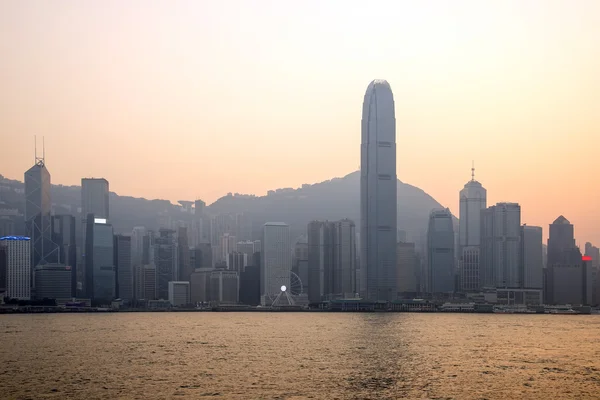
333	199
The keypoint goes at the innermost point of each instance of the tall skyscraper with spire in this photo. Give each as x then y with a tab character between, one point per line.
378	201
473	199
37	213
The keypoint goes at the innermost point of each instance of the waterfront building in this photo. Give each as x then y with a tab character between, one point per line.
224	287
500	256
531	257
440	252
64	235
378	194
16	264
165	260
276	259
124	268
179	293
408	270
53	281
99	260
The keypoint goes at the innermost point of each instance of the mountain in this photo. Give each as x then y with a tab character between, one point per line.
333	199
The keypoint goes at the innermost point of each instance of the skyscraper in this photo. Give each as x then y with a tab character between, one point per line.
124	267
378	202
165	259
276	260
473	199
531	257
500	260
566	273
37	214
407	273
99	260
440	252
17	264
183	257
94	200
320	260
94	197
63	235
344	259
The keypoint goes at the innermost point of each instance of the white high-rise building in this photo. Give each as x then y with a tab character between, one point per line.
473	199
17	260
276	260
378	195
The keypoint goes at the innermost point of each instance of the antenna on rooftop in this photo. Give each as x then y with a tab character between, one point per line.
473	170
39	160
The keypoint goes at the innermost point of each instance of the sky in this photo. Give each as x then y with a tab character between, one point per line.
195	99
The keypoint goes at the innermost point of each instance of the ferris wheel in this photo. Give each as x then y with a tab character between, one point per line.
290	287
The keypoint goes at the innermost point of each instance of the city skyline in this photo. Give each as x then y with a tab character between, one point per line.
535	88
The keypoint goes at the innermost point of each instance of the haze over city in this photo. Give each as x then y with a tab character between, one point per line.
194	100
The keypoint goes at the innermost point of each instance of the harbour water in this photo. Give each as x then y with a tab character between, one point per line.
299	356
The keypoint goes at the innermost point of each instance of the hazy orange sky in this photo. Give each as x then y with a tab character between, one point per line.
194	99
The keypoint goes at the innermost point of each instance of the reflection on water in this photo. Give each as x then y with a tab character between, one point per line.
299	355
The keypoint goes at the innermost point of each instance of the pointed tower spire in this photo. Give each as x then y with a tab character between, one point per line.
473	171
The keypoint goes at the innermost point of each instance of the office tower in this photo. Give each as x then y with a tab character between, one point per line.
148	248
344	259
220	225
257	246
300	267
320	260
124	267
202	223
165	259
200	285
440	252
224	287
94	200
183	257
17	264
331	260
3	269
179	293
94	197
137	245
226	245
250	285
408	270
500	257
146	280
378	193
566	274
237	261
63	235
243	227
53	281
246	247
37	213
12	222
561	244
276	260
202	255
469	269
531	257
99	260
473	199
593	252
